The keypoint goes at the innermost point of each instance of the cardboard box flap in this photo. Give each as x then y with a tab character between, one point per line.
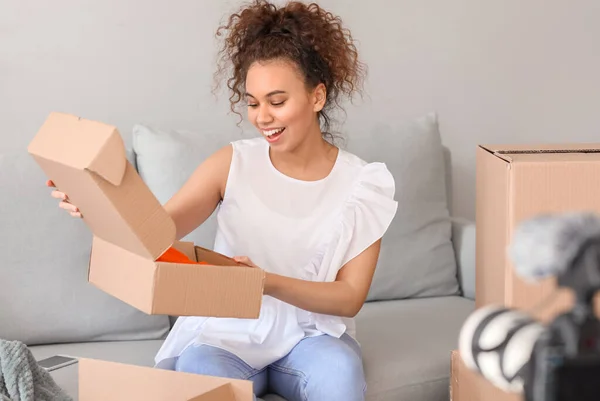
105	380
543	148
557	152
82	144
221	393
87	160
213	258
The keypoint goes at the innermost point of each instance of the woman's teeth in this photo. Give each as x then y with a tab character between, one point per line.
273	131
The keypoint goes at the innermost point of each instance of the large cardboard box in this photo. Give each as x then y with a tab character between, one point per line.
131	230
102	380
467	385
518	182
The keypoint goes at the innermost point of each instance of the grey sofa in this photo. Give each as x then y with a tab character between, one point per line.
421	295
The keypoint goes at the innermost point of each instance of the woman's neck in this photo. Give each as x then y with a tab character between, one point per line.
312	160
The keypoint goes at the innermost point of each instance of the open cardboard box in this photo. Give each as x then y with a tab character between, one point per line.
131	230
103	380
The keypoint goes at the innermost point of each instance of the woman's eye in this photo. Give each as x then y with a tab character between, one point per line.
252	105
277	103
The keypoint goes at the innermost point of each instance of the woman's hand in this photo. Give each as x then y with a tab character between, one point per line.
245	260
64	203
343	297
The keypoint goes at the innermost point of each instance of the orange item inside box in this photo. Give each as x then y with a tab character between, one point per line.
172	255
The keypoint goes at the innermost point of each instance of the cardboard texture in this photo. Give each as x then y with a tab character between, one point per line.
466	385
131	230
518	182
103	380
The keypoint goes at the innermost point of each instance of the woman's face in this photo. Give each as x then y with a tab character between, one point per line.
280	106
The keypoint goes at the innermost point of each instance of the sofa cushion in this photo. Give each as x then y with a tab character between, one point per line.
417	258
46	297
406	346
406	349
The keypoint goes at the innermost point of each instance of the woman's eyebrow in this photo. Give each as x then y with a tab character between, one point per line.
275	92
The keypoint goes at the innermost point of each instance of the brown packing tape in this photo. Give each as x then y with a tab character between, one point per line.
103	380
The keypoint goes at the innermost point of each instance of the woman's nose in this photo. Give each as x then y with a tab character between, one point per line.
264	116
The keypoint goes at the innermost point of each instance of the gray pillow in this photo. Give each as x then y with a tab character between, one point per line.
166	159
45	296
417	258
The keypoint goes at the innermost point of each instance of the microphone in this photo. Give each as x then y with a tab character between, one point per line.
547	245
516	353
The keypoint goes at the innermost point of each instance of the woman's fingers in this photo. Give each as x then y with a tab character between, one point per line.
68	206
59	195
64	204
245	260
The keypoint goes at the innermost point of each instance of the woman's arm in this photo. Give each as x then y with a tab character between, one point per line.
202	192
343	297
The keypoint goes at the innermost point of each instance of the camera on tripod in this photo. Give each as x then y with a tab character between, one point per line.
558	361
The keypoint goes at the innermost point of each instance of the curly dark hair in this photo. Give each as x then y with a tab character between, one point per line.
305	34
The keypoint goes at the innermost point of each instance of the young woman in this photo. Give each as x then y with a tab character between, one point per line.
290	202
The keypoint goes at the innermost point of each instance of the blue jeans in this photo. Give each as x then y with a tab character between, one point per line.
318	368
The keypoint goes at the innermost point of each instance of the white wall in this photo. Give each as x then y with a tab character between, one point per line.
495	71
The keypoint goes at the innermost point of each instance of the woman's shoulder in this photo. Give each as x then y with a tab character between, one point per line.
247	151
248	143
227	152
373	174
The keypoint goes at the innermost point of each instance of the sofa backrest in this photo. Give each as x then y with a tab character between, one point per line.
46	297
417	258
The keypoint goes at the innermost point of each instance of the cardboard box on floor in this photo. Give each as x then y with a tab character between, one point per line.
102	380
467	385
131	230
518	182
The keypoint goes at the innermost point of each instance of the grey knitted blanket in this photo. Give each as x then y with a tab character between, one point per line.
22	379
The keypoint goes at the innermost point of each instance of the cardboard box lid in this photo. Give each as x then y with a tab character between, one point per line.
87	160
562	152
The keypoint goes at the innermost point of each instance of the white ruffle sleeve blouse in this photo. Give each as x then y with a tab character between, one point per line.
303	229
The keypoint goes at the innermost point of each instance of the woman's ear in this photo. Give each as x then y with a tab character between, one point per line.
320	97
